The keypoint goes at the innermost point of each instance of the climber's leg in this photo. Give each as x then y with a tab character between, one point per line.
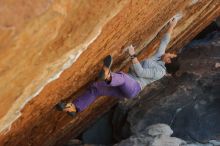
118	85
121	86
94	91
126	84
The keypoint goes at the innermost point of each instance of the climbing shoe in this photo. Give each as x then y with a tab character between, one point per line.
107	62
62	106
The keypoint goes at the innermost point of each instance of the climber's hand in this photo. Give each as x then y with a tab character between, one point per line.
173	22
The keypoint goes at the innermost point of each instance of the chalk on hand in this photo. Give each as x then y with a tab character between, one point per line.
178	16
127	48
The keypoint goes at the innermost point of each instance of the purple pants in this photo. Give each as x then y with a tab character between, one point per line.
121	86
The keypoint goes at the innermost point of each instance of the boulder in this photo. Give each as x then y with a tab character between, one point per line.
51	49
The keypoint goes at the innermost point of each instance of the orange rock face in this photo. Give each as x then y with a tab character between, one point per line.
50	49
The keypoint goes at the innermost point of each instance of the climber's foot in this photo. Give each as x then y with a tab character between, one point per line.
105	73
67	107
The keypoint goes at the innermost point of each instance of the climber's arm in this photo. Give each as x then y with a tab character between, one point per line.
139	70
166	39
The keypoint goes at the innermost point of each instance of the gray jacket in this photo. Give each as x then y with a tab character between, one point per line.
150	69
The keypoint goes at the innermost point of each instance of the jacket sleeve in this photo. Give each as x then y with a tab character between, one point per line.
163	45
156	72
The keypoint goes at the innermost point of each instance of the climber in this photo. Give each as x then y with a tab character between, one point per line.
122	85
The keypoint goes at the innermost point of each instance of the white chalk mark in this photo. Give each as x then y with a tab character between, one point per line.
193	2
178	16
127	48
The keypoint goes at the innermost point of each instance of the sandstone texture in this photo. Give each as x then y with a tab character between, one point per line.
51	49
